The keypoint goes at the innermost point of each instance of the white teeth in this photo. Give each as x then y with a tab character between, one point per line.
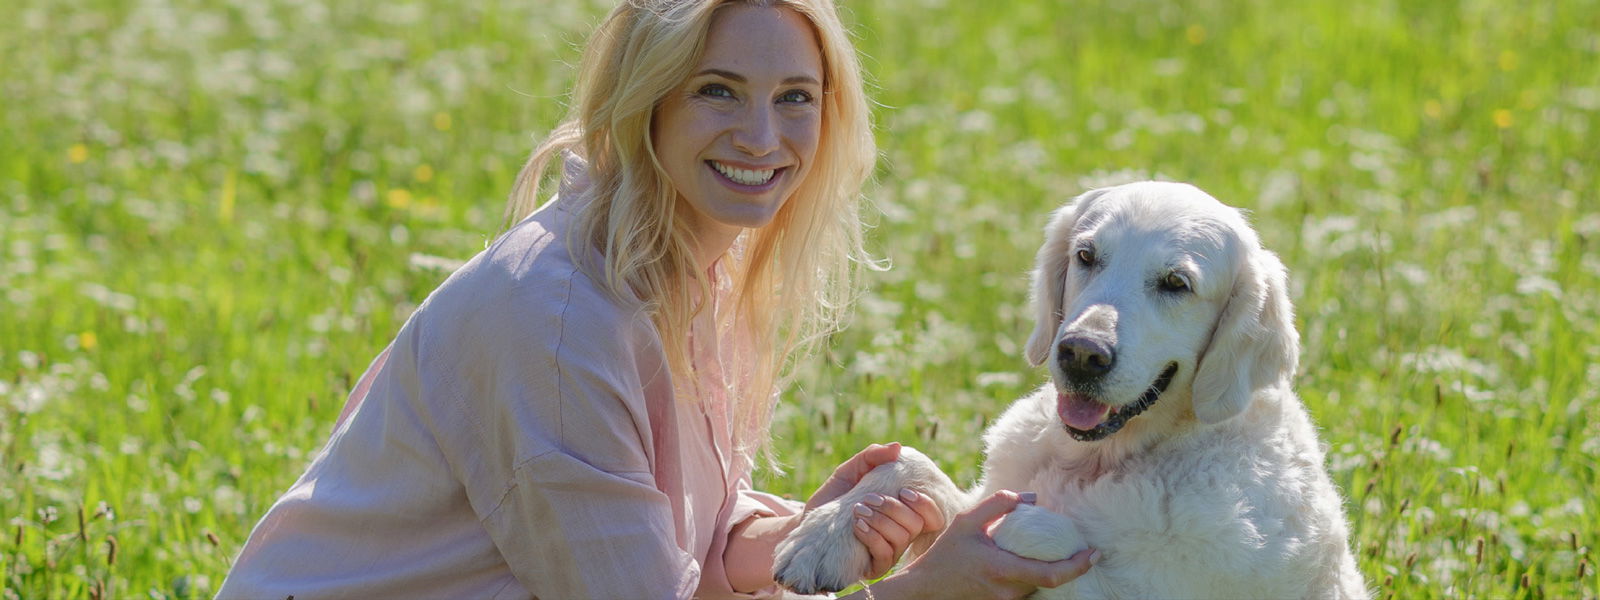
744	176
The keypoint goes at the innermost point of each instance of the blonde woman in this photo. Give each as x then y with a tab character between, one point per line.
575	413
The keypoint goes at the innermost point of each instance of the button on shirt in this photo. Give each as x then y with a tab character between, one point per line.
520	437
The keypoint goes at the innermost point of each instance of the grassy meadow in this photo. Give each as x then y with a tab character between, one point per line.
213	214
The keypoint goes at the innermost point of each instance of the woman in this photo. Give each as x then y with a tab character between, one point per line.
574	413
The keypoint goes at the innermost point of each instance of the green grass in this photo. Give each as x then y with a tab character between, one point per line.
211	216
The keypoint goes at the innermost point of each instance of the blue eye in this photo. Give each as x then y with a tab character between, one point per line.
796	97
716	90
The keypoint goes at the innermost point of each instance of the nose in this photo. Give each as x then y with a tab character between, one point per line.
1085	358
756	134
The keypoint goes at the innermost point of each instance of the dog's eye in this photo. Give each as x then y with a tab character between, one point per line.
1086	257
1174	282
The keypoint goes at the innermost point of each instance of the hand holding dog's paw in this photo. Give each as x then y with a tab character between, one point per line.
966	562
822	554
860	522
1040	534
1032	532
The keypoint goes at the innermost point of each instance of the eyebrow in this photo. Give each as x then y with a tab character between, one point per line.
790	80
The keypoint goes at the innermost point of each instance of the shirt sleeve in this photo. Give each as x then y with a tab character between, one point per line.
364	385
745	504
750	504
543	417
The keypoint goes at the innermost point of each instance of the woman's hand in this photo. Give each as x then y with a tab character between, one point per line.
965	562
886	526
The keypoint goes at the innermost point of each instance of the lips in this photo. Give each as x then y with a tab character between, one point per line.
1087	419
743	176
746	180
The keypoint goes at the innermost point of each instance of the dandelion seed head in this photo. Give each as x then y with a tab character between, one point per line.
1003	379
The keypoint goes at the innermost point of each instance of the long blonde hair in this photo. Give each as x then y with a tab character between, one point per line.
793	280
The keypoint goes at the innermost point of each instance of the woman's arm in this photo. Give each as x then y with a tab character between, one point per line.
751	545
529	379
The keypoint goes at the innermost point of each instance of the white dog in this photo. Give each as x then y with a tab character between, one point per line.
1170	437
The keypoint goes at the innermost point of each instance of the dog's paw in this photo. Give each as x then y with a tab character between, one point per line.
1037	533
822	555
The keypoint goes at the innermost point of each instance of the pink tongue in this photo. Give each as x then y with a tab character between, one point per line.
1079	412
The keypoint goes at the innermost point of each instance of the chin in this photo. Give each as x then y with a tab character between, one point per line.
749	216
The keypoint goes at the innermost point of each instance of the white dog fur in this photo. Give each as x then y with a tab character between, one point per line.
1216	490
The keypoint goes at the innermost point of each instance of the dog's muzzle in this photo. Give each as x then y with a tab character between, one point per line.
1118	416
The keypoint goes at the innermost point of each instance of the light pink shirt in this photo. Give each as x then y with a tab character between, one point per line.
520	437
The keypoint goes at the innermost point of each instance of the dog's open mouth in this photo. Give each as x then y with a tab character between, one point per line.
1088	420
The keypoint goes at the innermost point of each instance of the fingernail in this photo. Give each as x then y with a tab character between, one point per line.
873	500
863	511
1027	497
861	524
894	444
1094	557
908	494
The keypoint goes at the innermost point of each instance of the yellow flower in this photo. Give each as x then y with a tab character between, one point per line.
441	121
423	173
1195	34
398	198
87	340
1502	118
78	153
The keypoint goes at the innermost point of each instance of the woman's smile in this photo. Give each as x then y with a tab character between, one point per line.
750	180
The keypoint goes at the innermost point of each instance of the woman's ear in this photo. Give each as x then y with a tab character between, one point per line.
1254	345
1050	272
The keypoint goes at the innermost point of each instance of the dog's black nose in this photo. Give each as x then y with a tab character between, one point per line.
1085	358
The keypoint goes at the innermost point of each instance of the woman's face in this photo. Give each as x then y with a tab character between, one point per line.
738	136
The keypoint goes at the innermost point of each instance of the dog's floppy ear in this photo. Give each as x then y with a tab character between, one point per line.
1254	345
1050	272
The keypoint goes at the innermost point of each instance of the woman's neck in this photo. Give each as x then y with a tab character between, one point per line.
711	239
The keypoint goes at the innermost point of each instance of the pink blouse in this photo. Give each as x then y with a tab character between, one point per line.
519	438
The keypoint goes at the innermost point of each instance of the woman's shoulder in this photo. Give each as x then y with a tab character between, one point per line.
527	289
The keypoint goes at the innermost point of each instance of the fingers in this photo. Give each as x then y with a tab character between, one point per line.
1050	574
887	526
979	517
877	454
908	518
866	460
847	475
889	517
878	548
932	516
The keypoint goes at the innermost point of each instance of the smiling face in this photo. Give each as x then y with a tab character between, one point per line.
1144	273
737	137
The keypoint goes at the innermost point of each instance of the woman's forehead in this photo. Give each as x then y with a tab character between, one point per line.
758	42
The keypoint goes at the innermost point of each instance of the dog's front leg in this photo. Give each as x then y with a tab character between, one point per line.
823	555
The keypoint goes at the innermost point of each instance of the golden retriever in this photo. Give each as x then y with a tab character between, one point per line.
1169	437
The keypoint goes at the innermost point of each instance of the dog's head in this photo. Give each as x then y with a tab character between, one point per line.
1148	290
